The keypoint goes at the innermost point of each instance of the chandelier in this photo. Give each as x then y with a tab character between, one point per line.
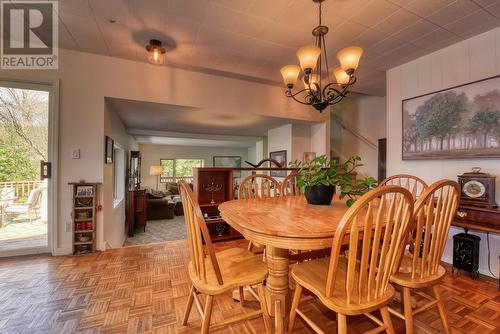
319	91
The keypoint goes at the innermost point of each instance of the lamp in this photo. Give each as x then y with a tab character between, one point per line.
155	52
290	74
349	58
156	171
314	64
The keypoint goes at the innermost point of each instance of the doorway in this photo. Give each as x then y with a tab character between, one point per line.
26	141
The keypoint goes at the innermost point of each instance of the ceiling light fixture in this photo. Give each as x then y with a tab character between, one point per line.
319	91
155	52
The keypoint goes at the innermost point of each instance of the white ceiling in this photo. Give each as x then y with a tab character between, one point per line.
253	39
144	117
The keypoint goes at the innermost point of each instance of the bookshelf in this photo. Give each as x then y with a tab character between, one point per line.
84	217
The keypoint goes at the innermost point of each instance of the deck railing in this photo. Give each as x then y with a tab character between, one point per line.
21	188
166	179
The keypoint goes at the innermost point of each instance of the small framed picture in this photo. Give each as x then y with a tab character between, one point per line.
308	156
84	191
109	150
228	161
279	156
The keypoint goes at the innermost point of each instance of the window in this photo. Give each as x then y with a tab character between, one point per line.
118	175
178	169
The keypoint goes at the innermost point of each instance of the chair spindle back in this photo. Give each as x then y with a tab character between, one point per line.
434	212
197	232
378	225
415	185
258	186
290	185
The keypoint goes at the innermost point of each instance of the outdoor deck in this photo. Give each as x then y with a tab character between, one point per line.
20	234
18	231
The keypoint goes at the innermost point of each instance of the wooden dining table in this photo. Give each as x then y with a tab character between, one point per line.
282	224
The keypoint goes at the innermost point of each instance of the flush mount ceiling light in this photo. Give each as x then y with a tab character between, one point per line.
319	91
155	52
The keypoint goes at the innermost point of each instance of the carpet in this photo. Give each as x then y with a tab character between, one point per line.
159	231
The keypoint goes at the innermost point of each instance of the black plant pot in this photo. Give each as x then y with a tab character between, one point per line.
319	194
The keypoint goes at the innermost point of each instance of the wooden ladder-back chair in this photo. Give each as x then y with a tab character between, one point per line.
415	185
420	268
290	185
214	273
376	227
258	186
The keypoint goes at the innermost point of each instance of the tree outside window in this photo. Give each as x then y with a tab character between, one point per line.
178	168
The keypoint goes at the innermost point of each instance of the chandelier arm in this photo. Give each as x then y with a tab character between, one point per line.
330	86
337	98
304	103
292	95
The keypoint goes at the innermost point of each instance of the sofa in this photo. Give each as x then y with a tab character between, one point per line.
164	204
159	205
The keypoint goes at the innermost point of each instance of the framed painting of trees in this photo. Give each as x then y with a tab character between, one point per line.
456	123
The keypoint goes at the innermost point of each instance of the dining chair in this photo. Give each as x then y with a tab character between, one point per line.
420	267
376	228
413	183
214	273
290	185
258	186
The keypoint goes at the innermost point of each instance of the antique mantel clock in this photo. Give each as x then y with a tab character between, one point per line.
477	189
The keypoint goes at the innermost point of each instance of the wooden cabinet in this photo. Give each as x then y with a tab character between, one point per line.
213	186
137	210
84	217
478	218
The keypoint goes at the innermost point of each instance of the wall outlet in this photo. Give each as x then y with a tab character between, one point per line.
75	154
68	227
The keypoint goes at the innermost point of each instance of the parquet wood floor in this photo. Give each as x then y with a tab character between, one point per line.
144	289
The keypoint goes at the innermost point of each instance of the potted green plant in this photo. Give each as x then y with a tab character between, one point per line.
319	177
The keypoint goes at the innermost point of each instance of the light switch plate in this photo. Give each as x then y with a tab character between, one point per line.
76	153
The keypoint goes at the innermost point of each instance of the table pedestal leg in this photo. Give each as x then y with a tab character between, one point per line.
277	289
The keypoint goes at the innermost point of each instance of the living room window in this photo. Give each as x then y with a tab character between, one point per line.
175	170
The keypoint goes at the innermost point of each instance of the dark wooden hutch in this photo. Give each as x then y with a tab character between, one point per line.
204	177
221	178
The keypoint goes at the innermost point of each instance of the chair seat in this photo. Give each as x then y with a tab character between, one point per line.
17	209
238	266
403	276
312	275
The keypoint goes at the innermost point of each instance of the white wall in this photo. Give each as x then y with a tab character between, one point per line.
301	141
151	155
112	231
365	115
252	154
86	79
279	139
473	59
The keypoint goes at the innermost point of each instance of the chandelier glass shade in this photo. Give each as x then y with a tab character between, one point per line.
319	91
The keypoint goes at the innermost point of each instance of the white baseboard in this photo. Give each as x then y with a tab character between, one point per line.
60	251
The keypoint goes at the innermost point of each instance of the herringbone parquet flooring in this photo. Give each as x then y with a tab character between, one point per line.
143	289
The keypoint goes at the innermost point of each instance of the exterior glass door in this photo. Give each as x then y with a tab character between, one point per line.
24	168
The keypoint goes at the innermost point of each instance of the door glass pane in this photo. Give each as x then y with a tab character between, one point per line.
23	144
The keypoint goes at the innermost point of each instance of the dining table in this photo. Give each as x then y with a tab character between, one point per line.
283	224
